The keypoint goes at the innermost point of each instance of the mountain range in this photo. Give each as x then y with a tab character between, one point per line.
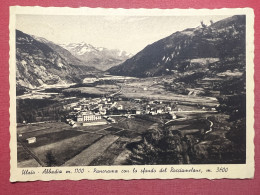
219	46
41	62
99	57
188	49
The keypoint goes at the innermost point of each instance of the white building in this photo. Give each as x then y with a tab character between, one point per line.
77	108
88	116
79	118
31	140
73	104
138	111
153	112
91	117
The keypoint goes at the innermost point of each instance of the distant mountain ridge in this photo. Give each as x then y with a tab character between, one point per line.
71	59
41	62
181	50
99	57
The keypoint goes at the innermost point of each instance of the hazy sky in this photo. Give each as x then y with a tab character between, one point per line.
129	33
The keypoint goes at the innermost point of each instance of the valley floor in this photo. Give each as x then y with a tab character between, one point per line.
59	144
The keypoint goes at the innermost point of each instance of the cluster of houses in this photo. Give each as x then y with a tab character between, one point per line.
88	112
99	111
155	110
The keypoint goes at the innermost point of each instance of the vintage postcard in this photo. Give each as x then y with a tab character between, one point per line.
131	93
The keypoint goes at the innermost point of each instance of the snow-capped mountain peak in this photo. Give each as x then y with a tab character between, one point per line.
100	57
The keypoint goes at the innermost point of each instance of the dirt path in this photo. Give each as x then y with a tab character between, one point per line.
210	126
92	152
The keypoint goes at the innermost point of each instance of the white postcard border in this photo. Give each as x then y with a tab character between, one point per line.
235	171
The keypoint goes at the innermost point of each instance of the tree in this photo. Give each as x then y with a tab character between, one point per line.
237	133
171	149
203	25
146	151
235	106
159	147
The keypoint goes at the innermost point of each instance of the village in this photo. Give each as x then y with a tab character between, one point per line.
101	111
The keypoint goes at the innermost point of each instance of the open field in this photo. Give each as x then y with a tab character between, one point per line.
41	128
135	124
70	145
111	153
127	134
113	129
48	138
97	90
168	96
65	149
62	144
95	150
154	89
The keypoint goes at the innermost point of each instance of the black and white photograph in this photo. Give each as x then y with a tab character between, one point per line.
131	90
